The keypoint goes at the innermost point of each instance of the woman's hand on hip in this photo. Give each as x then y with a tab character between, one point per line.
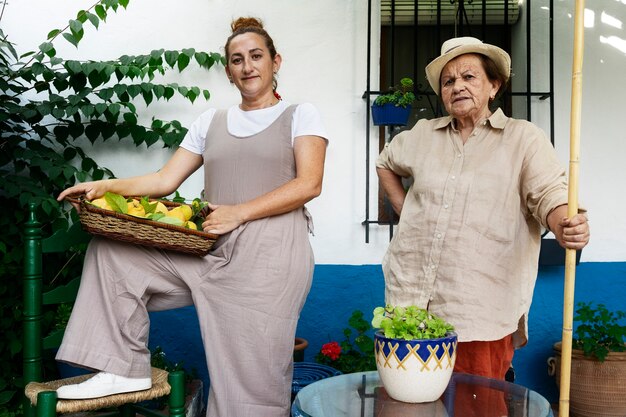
223	219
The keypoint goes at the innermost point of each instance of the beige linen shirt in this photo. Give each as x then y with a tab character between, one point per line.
467	244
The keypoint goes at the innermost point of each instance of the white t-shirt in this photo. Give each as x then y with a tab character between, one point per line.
306	122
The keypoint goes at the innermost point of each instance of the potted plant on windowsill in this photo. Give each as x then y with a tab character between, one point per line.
598	363
415	352
394	108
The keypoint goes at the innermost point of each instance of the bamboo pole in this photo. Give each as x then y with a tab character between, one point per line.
572	202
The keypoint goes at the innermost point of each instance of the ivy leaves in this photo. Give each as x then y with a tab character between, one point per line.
75	26
48	107
94	93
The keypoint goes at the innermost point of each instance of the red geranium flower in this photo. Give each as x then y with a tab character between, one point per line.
331	350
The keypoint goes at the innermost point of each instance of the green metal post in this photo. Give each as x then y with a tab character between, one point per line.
177	393
32	294
47	404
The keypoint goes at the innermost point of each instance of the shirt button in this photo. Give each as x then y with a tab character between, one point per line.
432	266
438	235
445	206
453	177
431	298
458	155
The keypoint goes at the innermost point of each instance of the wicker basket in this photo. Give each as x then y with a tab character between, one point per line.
144	232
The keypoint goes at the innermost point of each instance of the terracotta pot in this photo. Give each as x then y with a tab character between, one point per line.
415	371
300	345
597	389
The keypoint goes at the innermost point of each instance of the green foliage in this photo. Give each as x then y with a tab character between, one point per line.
599	330
117	202
409	323
15	413
62	315
158	359
355	353
48	107
400	96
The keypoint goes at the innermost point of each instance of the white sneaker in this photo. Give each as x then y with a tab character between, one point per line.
101	385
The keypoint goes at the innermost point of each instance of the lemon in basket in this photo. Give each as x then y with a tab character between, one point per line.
160	208
177	214
101	203
181	212
186	210
136	209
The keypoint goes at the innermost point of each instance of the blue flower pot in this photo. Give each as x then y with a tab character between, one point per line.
390	115
415	371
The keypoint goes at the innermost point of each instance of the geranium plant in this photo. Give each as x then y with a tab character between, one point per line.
355	353
400	96
599	330
409	323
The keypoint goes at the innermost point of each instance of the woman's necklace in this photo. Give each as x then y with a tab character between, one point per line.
274	101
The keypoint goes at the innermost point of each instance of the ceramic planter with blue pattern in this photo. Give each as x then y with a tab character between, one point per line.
415	371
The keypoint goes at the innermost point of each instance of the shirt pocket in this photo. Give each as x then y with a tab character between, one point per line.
492	207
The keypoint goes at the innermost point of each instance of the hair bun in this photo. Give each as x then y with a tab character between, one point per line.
246	22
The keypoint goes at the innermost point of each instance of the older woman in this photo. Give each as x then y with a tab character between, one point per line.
484	187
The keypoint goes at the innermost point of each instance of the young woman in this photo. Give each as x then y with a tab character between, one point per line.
263	160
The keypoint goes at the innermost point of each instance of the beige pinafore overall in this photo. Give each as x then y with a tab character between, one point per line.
248	291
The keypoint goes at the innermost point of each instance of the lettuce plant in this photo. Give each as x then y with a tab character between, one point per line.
409	323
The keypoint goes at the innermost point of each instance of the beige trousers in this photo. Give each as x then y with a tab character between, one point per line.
247	310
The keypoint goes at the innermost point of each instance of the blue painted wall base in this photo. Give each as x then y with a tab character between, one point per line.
338	290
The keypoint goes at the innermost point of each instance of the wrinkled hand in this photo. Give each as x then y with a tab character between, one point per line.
573	233
222	219
91	190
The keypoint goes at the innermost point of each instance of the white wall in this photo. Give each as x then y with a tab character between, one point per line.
323	44
602	139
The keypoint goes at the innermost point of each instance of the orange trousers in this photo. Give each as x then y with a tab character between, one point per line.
490	359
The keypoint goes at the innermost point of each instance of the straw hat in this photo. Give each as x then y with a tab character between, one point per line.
466	45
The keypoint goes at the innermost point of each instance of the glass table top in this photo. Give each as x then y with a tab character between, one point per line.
362	395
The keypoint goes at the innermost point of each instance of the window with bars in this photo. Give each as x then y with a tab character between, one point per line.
411	35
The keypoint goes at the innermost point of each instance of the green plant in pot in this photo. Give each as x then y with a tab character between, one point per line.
355	353
598	362
394	107
415	352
